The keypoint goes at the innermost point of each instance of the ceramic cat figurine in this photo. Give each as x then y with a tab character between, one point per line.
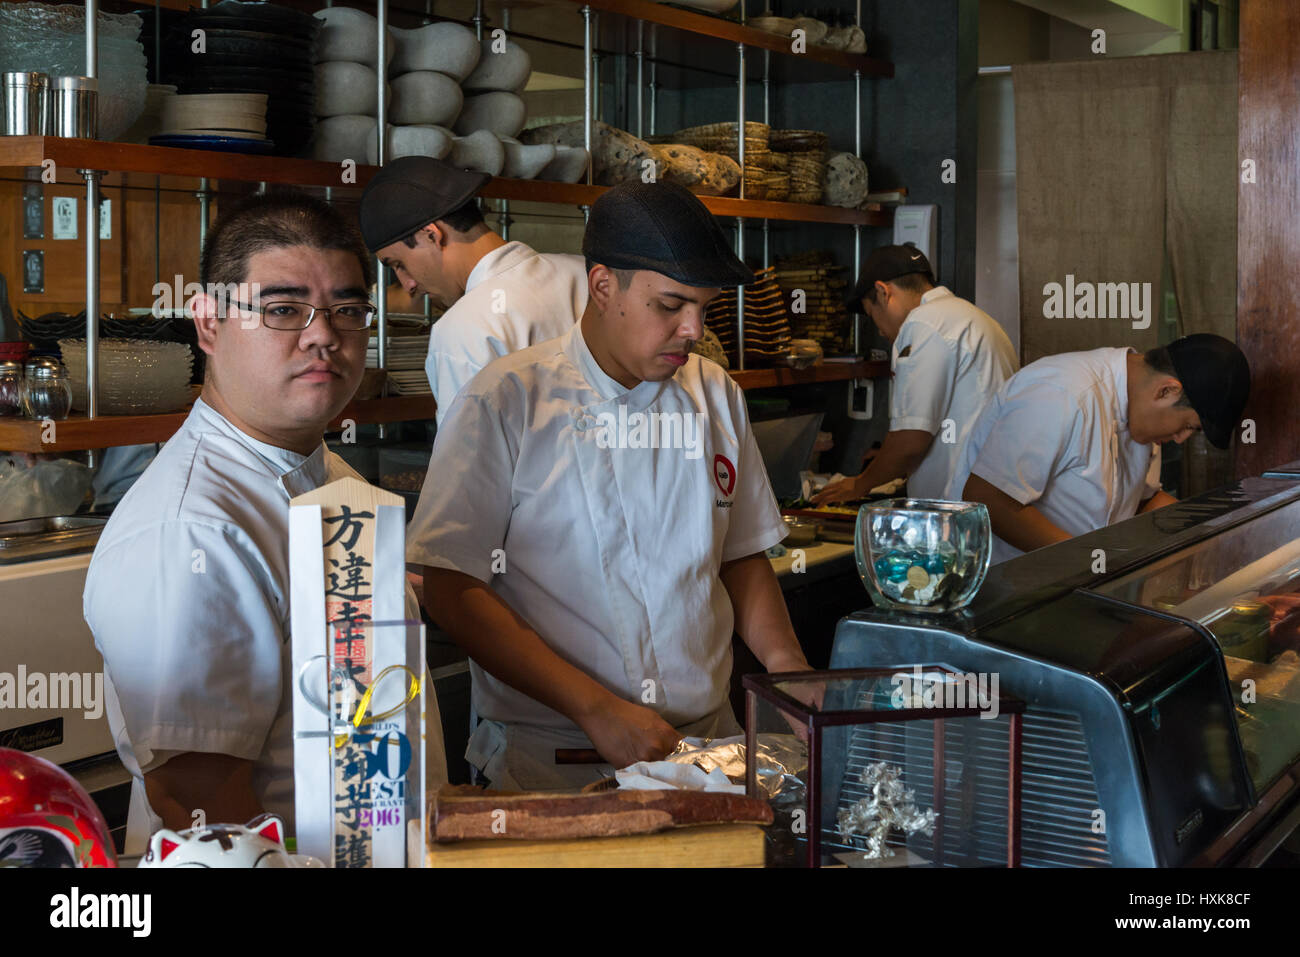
259	843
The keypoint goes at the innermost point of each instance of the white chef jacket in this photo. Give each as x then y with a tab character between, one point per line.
611	554
1056	436
949	360
187	596
514	297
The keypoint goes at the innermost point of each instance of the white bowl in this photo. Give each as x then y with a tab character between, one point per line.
340	138
444	47
425	98
482	151
347	35
343	87
498	112
507	70
569	165
525	162
434	141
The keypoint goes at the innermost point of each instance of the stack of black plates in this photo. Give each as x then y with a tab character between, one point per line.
250	48
44	332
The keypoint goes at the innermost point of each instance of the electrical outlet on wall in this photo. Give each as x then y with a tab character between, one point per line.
861	399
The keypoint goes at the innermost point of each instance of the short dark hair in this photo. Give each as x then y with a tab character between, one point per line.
272	221
624	276
462	219
1159	360
908	282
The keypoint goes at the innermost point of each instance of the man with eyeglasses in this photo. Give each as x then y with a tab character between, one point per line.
188	590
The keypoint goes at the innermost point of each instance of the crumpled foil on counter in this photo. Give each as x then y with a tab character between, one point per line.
782	762
888	805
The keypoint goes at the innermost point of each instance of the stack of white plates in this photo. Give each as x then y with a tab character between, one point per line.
410	383
236	115
405	353
136	377
406	356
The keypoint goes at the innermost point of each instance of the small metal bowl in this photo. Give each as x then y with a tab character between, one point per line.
800	532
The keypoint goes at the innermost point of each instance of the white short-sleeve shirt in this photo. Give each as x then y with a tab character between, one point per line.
515	297
187	596
612	554
949	359
1056	436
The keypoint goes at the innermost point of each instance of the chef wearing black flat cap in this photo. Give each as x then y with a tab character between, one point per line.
596	510
1071	443
419	216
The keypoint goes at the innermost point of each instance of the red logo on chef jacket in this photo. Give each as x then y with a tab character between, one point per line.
724	475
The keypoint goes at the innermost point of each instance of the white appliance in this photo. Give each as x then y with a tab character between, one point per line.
43	634
919	225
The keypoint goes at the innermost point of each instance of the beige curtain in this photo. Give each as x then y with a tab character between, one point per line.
1201	190
1116	157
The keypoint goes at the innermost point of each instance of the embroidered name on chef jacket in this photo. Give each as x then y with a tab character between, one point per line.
724	476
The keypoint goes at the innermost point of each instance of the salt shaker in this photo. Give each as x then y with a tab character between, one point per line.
11	387
47	390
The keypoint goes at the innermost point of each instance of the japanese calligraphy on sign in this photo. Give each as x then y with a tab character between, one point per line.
359	799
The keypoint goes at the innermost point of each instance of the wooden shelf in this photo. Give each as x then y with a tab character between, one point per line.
731	30
78	432
830	370
72	154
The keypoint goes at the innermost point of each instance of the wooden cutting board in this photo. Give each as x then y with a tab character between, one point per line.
719	845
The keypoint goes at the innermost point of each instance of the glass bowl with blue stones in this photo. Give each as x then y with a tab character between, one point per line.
922	554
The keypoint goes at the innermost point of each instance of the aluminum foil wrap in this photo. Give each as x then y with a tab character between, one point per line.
889	805
781	762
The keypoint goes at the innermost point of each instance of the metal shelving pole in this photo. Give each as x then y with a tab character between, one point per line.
640	77
381	134
92	236
654	76
203	195
740	222
595	66
767	121
505	203
588	105
857	151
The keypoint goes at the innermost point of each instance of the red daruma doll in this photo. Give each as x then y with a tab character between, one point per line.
46	818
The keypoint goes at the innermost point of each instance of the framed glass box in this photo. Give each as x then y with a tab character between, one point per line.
872	767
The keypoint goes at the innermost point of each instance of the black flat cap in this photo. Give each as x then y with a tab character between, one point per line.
1216	379
883	264
663	228
410	192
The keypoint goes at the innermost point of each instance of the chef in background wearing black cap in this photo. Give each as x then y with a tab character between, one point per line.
949	358
1071	443
595	515
419	216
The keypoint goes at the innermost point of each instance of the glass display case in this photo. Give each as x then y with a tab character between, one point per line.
880	767
1243	587
1159	663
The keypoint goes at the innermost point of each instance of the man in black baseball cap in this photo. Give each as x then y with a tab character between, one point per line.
904	266
1215	380
948	356
1071	443
420	217
593	525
